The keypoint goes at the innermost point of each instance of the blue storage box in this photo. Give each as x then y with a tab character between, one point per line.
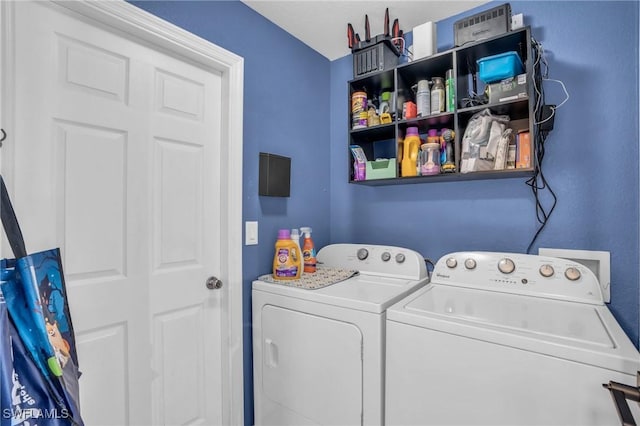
498	67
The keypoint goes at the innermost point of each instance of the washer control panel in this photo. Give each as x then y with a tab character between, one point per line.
541	276
375	260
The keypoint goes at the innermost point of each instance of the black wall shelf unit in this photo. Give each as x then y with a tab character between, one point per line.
383	138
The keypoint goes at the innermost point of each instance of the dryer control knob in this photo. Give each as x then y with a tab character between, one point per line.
451	263
572	274
400	258
506	265
470	263
385	256
363	253
546	270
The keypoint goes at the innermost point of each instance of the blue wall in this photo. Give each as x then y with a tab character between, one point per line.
591	160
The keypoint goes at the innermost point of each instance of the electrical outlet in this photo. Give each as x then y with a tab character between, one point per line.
517	21
251	233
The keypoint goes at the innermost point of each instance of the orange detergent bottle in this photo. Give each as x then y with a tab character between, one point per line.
287	262
308	251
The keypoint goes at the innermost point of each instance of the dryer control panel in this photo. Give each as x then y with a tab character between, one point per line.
387	261
540	276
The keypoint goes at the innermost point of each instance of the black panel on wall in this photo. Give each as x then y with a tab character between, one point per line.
275	175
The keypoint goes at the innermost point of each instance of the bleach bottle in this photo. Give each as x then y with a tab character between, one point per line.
287	262
308	251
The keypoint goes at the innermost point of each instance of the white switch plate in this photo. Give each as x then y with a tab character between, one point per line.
599	262
251	233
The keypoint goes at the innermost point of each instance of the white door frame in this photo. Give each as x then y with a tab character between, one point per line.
141	25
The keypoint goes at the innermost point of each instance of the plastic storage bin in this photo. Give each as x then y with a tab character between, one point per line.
381	169
498	67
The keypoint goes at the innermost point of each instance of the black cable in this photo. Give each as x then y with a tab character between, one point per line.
428	262
538	182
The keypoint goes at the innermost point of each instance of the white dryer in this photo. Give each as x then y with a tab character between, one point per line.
318	355
506	339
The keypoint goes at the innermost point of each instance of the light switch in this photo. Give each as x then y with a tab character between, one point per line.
251	233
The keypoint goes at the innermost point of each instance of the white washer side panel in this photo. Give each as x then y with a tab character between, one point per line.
312	366
435	378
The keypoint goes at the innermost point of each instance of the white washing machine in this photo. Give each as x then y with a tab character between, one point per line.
318	355
506	339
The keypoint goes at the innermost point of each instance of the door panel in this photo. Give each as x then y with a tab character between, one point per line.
117	162
312	368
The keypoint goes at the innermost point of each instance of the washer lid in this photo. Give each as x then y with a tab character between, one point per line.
364	292
551	320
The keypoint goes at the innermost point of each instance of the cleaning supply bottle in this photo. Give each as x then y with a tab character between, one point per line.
295	237
438	96
409	166
308	251
287	262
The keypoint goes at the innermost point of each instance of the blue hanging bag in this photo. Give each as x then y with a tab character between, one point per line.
38	360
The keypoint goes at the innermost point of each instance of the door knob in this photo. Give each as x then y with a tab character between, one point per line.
213	283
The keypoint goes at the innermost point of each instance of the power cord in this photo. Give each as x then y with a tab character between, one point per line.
544	118
428	262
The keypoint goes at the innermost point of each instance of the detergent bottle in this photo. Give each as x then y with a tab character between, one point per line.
308	251
295	237
287	262
411	146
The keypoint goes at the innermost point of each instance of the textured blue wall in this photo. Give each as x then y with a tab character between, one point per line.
591	159
591	162
286	112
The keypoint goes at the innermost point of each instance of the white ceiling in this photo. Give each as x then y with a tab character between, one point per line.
322	25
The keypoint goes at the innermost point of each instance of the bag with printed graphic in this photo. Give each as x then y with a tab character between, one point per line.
39	364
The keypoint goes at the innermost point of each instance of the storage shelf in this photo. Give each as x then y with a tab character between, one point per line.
449	177
382	140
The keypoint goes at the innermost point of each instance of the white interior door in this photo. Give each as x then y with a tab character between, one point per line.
116	158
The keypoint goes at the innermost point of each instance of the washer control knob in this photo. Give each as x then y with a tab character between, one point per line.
400	258
363	253
506	265
470	263
386	256
572	274
546	270
451	263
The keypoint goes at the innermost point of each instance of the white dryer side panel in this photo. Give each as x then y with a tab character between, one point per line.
311	369
436	378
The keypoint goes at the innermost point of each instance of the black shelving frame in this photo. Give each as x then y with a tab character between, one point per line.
462	60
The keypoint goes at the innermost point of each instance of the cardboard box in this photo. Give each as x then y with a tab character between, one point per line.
509	89
523	151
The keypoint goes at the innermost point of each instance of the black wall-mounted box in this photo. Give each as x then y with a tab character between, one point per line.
488	23
274	175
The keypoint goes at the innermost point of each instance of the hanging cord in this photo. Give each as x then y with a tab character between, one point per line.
403	49
538	182
3	137
428	262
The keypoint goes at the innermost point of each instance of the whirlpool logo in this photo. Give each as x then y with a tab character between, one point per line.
439	275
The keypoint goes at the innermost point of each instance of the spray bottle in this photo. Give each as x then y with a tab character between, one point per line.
308	251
